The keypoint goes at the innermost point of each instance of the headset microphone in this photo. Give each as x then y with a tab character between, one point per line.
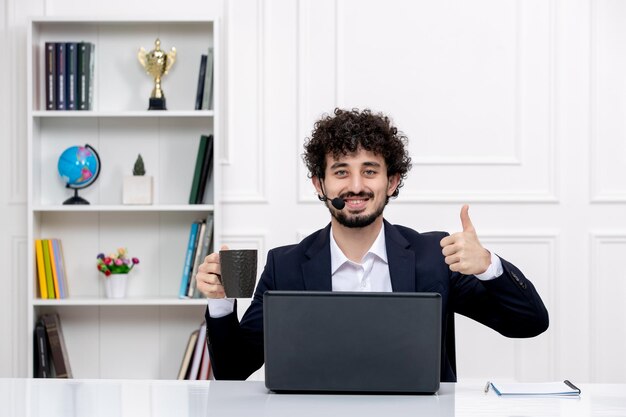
338	203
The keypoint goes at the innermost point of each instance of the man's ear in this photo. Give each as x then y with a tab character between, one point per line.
392	184
317	184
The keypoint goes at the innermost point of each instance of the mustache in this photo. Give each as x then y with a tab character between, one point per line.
362	194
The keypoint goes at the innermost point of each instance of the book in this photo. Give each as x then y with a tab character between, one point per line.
61	70
41	270
184	282
193	195
85	65
207	95
561	388
51	75
205	246
196	249
60	358
191	344
42	356
60	268
71	75
207	170
197	261
201	76
48	268
205	364
53	267
197	353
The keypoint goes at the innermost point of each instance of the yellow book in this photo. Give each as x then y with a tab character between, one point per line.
53	266
41	271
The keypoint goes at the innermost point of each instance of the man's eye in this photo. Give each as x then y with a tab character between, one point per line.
370	172
341	173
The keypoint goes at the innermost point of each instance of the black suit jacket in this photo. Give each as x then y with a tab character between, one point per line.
508	304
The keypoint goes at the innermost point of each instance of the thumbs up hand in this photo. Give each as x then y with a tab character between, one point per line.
463	250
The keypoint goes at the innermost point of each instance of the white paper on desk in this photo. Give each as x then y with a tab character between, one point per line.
539	388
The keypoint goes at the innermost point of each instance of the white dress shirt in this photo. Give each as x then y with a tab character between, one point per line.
371	274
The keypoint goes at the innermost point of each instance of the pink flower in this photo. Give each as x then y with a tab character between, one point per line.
118	262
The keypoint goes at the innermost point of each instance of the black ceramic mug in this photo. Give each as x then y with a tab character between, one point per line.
238	272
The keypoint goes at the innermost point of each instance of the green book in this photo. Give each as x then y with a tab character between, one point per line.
48	268
195	185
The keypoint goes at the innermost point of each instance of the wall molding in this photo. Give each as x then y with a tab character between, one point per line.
596	240
547	195
230	196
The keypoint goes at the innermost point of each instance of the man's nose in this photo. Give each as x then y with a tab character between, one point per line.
356	184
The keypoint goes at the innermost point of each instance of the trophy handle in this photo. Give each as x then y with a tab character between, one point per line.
141	56
171	57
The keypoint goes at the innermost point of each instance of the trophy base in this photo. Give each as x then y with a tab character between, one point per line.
157	104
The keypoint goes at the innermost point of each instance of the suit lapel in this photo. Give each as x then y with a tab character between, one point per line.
316	271
401	260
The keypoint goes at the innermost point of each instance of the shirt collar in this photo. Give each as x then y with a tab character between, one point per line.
337	257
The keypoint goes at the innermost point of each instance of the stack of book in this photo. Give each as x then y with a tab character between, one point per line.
204	92
199	246
69	70
51	358
51	274
203	170
196	363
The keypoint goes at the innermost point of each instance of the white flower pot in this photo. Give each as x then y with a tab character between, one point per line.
137	189
115	285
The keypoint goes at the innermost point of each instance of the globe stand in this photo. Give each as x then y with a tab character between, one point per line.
76	199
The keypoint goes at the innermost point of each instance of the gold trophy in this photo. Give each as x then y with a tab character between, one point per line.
157	63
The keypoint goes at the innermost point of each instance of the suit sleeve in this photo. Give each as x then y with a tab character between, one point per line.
236	348
508	304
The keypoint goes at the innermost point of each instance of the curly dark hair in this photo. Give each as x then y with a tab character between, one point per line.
347	131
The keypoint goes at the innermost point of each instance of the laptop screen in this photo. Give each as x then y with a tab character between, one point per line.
352	341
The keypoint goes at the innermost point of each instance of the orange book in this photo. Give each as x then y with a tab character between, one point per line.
53	266
41	270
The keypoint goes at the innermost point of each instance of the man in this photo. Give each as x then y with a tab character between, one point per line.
358	160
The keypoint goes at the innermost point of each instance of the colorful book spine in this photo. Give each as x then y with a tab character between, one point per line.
42	356
71	78
48	269
184	365
51	76
196	259
85	61
201	76
197	353
207	170
41	269
207	95
184	282
53	267
60	268
61	74
58	349
195	184
205	244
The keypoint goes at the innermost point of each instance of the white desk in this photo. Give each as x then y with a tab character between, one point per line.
130	398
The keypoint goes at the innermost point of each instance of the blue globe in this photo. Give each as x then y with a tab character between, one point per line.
79	166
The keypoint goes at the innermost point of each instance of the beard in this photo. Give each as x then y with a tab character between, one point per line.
358	220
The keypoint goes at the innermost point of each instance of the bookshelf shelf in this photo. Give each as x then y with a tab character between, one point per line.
195	208
129	301
151	326
123	114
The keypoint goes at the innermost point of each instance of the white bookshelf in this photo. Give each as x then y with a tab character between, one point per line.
143	335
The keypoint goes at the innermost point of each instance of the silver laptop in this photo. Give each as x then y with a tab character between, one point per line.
352	342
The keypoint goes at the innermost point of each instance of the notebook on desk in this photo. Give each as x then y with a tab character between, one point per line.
352	342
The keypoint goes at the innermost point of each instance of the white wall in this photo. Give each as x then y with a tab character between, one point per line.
515	107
